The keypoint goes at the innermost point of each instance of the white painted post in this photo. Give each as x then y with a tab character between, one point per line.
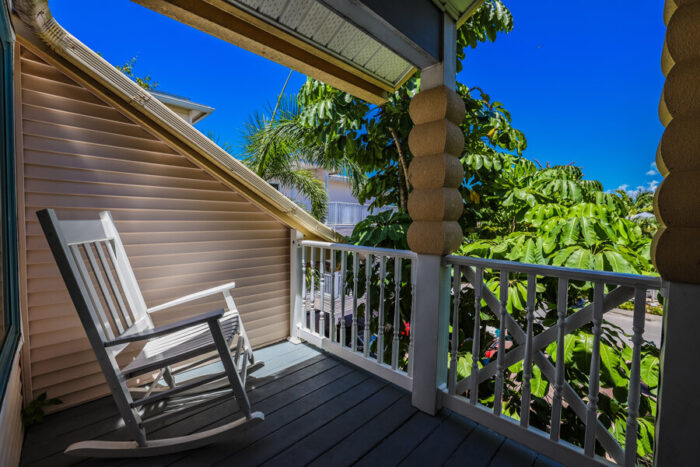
431	329
296	278
676	421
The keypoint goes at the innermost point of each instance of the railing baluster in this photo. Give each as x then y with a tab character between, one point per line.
594	376
331	320
380	327
322	292
397	314
476	336
368	312
412	319
562	306
343	293
500	356
312	313
304	297
640	301
355	270
456	296
527	361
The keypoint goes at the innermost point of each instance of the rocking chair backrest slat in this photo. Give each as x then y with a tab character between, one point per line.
106	293
131	289
107	267
92	297
110	299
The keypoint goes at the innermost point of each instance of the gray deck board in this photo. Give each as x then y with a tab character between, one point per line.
318	411
395	447
479	447
439	445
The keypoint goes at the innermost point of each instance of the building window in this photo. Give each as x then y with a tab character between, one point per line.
9	315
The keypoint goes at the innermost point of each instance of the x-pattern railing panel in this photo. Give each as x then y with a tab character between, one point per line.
530	348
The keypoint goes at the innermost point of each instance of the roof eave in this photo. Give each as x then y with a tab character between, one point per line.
87	67
231	24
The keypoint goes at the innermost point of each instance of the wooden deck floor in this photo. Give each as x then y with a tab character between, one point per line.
318	411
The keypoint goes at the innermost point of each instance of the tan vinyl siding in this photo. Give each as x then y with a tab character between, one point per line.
11	429
183	229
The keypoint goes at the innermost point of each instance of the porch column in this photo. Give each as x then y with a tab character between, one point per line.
434	205
676	247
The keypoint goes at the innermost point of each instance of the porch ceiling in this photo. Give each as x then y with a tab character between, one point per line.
365	47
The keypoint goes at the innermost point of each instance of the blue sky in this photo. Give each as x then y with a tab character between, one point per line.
582	82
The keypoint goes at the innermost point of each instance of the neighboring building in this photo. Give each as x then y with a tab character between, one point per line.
189	111
344	211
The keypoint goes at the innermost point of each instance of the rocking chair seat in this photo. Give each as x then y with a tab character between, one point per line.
179	346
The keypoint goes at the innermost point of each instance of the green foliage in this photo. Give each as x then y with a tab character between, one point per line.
376	137
651	309
384	230
146	82
275	148
552	216
33	413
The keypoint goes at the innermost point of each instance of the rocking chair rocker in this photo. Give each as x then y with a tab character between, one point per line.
89	254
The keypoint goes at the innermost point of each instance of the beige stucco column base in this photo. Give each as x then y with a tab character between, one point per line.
436	142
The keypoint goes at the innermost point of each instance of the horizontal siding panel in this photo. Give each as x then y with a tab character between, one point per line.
150	215
110	164
43	70
84	135
165	227
135	252
39	172
62	349
52	101
131	202
49	365
43	114
154	296
183	229
171	240
82	148
71	91
61	187
167	277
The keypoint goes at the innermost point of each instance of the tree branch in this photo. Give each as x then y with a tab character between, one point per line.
403	169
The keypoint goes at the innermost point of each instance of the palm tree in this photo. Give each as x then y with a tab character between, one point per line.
277	147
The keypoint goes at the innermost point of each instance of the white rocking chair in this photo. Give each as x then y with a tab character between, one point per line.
89	254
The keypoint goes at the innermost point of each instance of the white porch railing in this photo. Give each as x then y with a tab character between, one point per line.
463	396
335	321
363	322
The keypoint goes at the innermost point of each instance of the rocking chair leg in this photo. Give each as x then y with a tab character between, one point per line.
230	367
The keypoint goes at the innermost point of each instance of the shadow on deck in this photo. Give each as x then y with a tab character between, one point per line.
318	411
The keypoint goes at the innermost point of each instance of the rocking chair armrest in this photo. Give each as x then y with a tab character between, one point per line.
168	328
192	297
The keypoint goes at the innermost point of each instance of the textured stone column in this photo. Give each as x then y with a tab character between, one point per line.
436	142
676	247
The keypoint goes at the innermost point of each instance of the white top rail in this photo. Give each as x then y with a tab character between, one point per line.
361	249
631	280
